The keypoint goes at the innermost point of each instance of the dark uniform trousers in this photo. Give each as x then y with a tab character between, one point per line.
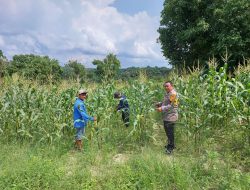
169	129
125	117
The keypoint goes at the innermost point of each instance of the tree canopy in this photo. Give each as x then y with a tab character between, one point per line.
151	72
37	67
108	68
193	31
74	70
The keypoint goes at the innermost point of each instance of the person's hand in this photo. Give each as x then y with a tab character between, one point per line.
158	104
159	109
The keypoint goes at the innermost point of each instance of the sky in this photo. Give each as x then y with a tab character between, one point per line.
83	30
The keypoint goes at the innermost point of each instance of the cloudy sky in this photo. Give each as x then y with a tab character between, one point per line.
83	30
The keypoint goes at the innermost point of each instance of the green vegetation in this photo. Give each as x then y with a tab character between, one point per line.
108	68
74	70
193	31
3	62
213	137
212	133
46	70
151	72
148	168
34	67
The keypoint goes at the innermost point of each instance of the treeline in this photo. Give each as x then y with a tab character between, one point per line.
45	69
150	72
133	73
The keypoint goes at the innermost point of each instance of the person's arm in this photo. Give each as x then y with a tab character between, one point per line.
173	100
166	108
120	105
84	114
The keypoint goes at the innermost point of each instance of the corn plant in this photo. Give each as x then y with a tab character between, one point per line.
209	105
214	103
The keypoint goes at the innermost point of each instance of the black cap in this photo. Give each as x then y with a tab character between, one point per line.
117	95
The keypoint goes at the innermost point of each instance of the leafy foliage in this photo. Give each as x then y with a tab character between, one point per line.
41	68
212	135
193	31
44	115
29	66
3	64
151	72
74	70
108	68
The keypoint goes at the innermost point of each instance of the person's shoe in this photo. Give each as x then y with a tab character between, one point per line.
79	145
167	146
169	151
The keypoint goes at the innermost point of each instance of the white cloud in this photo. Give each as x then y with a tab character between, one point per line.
109	30
80	29
1	41
98	3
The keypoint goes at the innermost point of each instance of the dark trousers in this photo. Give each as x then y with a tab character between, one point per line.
125	118
169	129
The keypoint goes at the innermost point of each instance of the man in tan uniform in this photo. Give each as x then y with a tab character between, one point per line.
169	109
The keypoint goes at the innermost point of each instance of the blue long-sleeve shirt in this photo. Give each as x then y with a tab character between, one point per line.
81	116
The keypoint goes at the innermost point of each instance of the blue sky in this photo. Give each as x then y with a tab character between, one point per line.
83	30
152	7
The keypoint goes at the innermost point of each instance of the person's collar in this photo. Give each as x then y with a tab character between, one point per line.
171	90
80	99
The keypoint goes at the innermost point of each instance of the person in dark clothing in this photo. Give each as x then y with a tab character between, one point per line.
123	106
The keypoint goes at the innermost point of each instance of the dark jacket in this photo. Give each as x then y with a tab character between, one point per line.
123	104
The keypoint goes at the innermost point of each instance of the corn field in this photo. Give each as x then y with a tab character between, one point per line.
43	114
211	105
216	106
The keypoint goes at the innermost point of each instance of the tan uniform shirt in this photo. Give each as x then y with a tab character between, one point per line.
170	106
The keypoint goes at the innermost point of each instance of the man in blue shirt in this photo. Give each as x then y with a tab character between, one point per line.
123	106
81	117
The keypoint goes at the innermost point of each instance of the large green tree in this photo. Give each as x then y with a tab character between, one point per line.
74	70
41	68
108	68
193	31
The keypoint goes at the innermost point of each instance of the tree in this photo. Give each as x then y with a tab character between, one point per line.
74	70
41	68
151	72
193	31
3	64
108	68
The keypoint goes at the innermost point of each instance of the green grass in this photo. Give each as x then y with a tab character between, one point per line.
146	167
